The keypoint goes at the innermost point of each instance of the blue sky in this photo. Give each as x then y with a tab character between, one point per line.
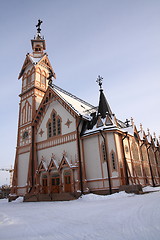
119	40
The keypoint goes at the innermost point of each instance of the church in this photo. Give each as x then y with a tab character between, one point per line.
67	147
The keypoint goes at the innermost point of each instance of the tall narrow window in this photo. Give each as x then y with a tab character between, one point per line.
113	161
49	130
26	113
54	124
104	152
58	126
43	78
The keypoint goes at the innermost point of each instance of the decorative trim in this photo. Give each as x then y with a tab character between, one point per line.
41	132
58	140
68	123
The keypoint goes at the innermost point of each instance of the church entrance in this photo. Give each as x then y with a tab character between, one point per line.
67	182
55	183
44	184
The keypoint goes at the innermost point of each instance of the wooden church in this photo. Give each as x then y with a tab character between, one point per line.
67	147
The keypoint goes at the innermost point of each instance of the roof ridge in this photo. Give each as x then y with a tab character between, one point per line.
73	96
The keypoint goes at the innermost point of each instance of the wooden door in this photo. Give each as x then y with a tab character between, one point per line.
67	182
55	183
44	184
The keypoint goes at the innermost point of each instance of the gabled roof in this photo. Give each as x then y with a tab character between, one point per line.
76	105
30	59
80	106
64	163
26	63
53	164
42	166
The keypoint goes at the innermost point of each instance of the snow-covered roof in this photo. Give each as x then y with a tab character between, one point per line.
78	105
129	130
35	60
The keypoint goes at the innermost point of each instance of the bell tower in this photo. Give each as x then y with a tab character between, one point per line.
34	73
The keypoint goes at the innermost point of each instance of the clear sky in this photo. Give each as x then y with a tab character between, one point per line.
117	39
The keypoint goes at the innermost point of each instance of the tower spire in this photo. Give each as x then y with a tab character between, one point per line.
103	107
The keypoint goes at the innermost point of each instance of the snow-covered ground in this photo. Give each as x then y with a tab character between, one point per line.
119	216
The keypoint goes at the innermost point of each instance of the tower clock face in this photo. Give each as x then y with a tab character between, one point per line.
25	135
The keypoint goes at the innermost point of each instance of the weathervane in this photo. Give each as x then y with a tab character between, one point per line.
99	81
38	26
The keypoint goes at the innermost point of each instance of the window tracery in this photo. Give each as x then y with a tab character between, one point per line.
54	125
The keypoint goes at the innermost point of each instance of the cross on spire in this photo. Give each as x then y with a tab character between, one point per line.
99	81
103	107
127	122
50	79
38	26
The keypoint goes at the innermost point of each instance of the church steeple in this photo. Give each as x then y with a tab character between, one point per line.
38	43
103	107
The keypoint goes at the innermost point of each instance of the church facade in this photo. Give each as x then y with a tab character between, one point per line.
66	145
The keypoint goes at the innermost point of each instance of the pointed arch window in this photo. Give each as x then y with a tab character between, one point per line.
26	113
54	125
